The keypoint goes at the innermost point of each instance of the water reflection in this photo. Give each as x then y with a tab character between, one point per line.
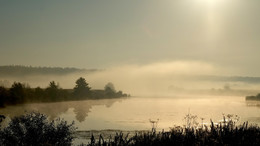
252	103
54	110
134	113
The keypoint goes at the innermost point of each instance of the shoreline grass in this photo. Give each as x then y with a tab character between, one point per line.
34	129
223	133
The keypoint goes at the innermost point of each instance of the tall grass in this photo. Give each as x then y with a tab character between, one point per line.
224	133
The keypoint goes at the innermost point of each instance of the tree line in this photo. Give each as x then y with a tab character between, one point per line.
257	97
21	93
18	70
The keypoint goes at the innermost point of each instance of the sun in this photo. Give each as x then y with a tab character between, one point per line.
210	2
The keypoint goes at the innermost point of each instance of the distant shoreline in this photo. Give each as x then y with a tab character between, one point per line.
22	93
257	97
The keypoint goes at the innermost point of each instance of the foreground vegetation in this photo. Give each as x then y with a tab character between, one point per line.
35	129
22	93
214	135
226	133
257	97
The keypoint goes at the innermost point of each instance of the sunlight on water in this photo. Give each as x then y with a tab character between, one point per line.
134	113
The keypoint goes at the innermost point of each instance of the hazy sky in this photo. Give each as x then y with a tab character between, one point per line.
105	33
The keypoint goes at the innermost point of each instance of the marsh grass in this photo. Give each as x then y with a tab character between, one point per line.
224	133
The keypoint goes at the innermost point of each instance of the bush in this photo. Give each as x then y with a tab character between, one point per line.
3	96
226	133
35	129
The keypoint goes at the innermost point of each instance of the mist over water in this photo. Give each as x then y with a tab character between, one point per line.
144	61
165	91
161	90
154	79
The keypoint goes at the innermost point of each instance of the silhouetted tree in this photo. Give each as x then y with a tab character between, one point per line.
110	86
3	96
53	90
110	90
120	94
17	93
81	88
28	93
39	94
20	93
53	85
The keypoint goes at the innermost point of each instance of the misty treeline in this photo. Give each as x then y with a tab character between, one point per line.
22	93
19	70
257	97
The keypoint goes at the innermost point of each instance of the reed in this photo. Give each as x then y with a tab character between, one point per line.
223	133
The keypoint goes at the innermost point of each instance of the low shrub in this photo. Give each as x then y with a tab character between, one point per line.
35	129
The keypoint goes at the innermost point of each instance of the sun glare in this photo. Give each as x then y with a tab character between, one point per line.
212	9
212	3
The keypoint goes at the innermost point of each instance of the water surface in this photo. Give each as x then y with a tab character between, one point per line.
134	113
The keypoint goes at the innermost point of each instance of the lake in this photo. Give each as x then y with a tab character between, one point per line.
134	113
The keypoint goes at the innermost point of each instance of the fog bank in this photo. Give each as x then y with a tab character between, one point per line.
158	78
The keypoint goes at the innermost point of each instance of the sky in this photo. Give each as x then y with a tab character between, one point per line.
104	34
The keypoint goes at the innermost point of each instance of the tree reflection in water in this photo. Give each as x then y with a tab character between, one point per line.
54	110
253	103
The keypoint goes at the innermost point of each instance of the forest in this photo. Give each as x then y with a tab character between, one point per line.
20	93
19	70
